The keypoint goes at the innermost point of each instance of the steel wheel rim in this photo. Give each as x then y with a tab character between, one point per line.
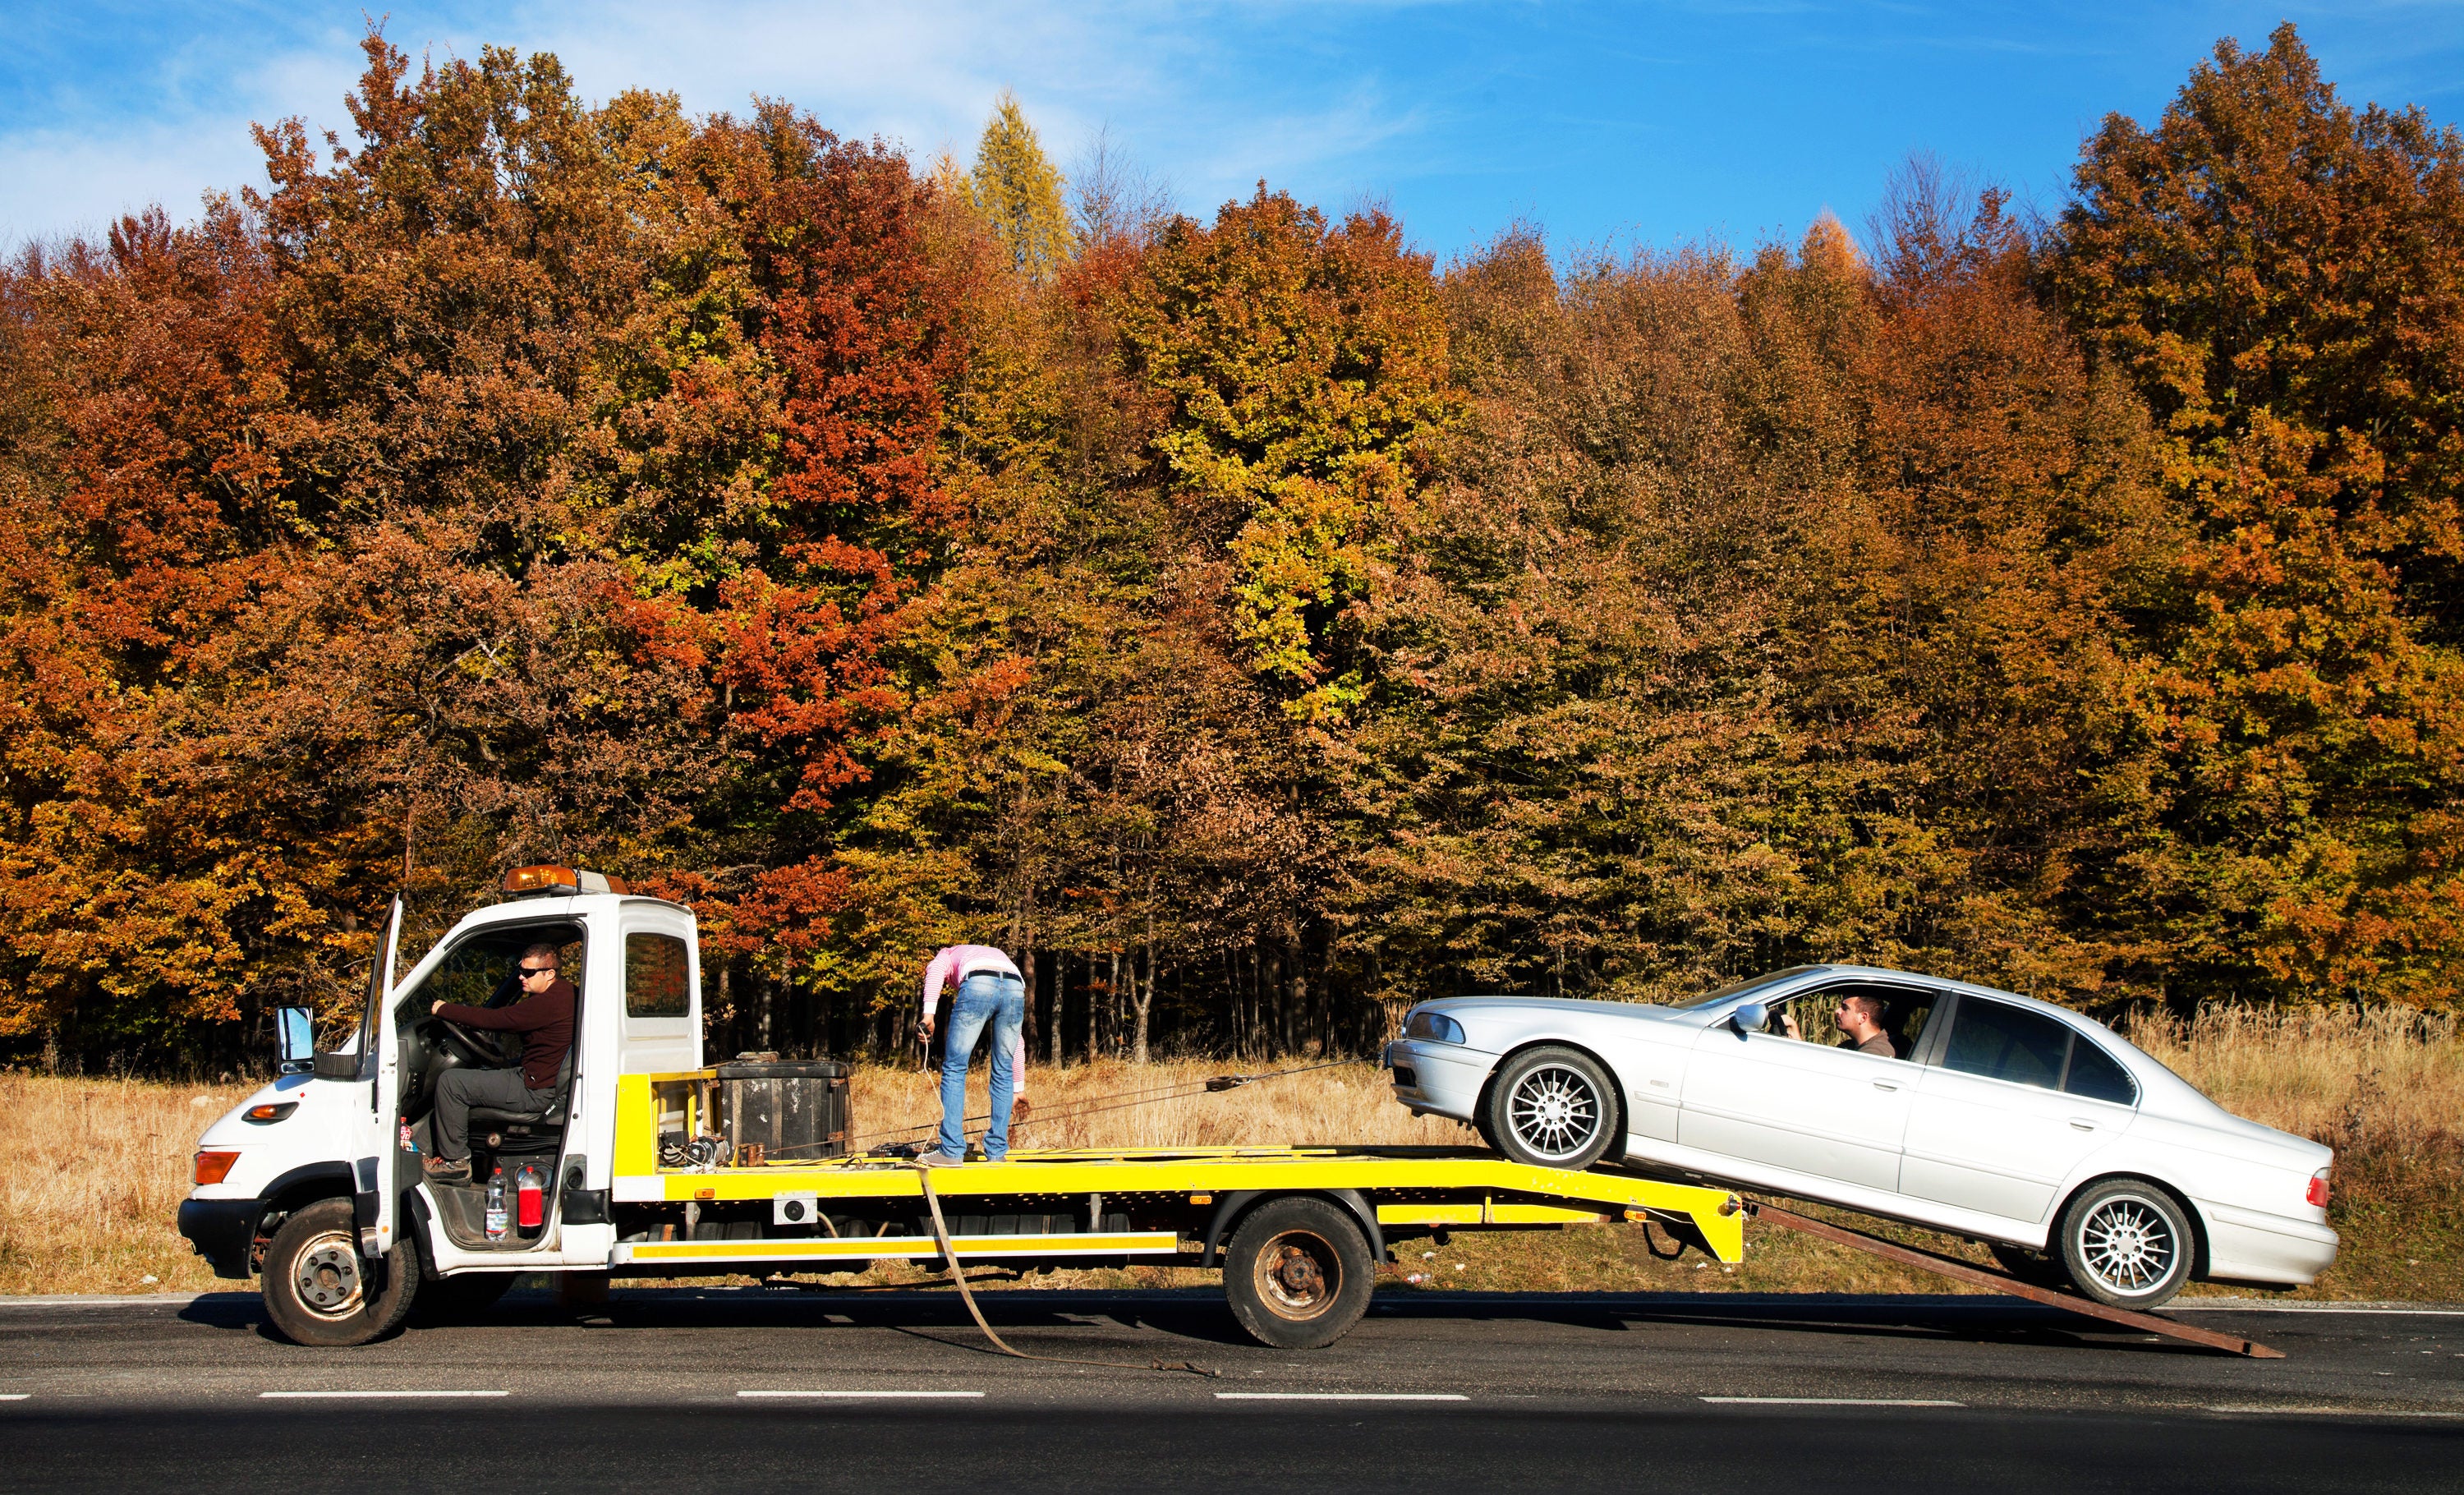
1298	1275
326	1277
1554	1111
2128	1246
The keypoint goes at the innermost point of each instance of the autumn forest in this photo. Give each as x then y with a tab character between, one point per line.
1252	624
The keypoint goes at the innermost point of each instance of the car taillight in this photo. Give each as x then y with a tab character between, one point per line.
215	1167
2318	1193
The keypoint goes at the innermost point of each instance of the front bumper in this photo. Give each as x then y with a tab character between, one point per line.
1442	1079
222	1231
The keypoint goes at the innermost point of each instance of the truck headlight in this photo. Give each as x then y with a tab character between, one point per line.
215	1167
1435	1026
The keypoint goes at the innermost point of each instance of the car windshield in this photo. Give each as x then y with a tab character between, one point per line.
1749	983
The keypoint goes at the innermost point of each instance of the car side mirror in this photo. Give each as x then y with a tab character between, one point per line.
1749	1017
298	1038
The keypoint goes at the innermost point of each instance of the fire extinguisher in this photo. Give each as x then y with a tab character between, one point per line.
530	1199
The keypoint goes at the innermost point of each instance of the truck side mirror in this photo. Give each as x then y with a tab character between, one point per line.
298	1038
1749	1017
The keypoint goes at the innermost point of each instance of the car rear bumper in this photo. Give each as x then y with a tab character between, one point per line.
2246	1245
222	1231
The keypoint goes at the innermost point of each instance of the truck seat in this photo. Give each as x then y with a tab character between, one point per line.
510	1131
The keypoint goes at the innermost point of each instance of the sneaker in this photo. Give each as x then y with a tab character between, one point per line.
446	1170
936	1158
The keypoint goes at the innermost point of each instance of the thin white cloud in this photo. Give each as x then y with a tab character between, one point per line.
1181	85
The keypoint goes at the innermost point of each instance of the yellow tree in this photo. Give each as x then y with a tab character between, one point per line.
1018	190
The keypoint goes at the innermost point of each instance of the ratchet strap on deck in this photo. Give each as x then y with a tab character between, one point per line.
959	1275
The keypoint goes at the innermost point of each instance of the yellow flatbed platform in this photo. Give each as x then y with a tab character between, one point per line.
1183	1206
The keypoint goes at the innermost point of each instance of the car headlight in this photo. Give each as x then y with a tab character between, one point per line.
1434	1026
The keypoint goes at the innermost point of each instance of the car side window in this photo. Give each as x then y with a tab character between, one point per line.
1905	1011
2096	1075
2005	1042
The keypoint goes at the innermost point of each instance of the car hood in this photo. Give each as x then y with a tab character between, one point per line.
1459	1007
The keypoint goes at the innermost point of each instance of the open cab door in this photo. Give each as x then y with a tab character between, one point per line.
375	1146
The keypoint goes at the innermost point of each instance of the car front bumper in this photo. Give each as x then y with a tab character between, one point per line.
222	1231
1440	1079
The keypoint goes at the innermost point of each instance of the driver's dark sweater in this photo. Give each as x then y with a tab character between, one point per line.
545	1022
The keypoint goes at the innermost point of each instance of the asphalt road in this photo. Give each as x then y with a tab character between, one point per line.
766	1389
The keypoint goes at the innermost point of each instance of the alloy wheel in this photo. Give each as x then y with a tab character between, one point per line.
1554	1112
2128	1244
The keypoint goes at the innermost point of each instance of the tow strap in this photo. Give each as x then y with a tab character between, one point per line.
959	1275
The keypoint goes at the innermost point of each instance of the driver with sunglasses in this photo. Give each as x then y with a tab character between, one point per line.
543	1015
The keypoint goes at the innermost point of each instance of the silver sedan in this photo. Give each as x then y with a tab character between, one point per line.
2047	1135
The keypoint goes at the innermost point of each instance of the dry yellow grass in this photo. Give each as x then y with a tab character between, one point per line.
95	1171
98	1167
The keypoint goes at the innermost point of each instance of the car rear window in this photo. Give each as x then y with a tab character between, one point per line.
2007	1043
2094	1074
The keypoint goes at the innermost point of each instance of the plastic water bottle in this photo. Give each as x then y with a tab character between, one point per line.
497	1204
529	1202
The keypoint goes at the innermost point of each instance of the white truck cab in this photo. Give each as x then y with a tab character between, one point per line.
315	1183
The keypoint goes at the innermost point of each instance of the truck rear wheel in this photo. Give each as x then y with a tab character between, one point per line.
1297	1273
319	1291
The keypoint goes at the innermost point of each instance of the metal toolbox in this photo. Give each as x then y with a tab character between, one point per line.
793	1110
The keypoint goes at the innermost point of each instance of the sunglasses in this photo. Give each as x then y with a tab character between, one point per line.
526	972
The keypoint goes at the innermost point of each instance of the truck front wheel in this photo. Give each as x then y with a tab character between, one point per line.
1297	1273
319	1291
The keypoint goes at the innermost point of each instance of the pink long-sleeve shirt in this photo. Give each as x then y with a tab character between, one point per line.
954	964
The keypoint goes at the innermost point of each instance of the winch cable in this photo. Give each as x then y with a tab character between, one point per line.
1122	1100
959	1275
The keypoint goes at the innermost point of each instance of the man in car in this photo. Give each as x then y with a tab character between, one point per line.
1861	1027
543	1015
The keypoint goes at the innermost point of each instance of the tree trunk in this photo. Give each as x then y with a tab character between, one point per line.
1026	972
1143	1000
1094	1008
1060	1001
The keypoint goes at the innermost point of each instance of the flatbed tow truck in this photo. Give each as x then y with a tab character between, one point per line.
640	1167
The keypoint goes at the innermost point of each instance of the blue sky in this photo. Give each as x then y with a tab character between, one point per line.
1649	123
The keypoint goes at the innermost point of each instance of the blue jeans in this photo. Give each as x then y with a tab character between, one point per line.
981	998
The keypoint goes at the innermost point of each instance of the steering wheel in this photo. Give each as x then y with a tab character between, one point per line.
467	1043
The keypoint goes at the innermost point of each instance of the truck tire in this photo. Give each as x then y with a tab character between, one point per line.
1553	1106
1297	1272
320	1293
2126	1243
459	1299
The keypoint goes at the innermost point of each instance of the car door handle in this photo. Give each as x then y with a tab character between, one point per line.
1885	1085
2077	1125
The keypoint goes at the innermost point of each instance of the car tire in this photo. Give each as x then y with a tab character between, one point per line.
1298	1272
2036	1268
320	1293
2126	1243
1553	1106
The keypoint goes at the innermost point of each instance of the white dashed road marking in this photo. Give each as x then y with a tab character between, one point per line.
858	1395
331	1395
1830	1401
1340	1396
